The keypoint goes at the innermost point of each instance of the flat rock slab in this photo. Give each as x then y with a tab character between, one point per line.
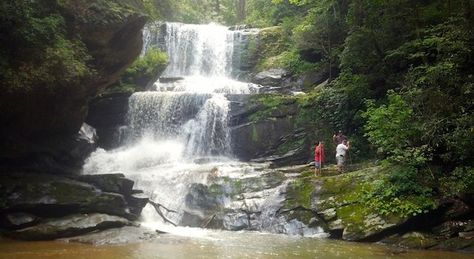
70	226
54	196
124	235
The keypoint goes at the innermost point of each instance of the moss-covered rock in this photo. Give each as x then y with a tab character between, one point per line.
33	203
414	240
50	196
342	194
271	43
142	74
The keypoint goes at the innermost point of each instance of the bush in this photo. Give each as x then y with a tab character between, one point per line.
142	72
394	131
461	181
400	193
147	66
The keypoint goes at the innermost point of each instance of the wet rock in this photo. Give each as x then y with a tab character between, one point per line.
199	197
267	133
413	240
56	154
201	204
51	196
108	115
259	137
448	229
236	221
328	214
136	203
115	236
17	220
456	244
466	235
170	79
313	78
109	183
72	225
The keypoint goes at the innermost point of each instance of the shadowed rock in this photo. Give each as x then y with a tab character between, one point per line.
72	225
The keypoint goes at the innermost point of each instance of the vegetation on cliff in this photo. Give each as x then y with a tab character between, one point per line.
35	49
143	72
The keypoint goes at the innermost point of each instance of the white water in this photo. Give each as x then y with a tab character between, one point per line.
178	134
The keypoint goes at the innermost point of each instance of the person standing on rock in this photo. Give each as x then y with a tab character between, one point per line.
341	154
319	158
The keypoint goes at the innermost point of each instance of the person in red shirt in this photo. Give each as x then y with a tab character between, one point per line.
319	157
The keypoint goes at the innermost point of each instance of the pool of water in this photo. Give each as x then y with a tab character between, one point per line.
216	244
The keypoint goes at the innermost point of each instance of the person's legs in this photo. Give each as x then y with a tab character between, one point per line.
340	163
317	166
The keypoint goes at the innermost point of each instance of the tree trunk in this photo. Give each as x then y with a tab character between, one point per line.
217	6
241	14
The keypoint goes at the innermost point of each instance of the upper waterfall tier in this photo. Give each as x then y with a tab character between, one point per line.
204	50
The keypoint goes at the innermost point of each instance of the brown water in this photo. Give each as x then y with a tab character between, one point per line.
216	245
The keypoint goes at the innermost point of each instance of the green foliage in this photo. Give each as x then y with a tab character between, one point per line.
35	50
460	182
147	65
400	193
142	72
394	131
270	104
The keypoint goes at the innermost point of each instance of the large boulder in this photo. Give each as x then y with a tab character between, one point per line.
52	196
336	200
34	202
273	77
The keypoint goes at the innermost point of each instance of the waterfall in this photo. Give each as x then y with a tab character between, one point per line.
198	121
177	136
199	50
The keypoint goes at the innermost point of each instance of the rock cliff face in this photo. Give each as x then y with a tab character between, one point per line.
267	132
111	32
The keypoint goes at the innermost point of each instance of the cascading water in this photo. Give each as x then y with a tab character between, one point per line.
178	140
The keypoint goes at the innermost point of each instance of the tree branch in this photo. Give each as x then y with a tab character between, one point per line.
157	208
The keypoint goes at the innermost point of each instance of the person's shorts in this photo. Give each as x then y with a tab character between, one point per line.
340	160
317	164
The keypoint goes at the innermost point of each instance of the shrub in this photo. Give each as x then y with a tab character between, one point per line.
400	192
394	131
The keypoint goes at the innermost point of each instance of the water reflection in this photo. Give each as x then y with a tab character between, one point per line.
216	244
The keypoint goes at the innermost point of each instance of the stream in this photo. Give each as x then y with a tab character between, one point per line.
217	244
